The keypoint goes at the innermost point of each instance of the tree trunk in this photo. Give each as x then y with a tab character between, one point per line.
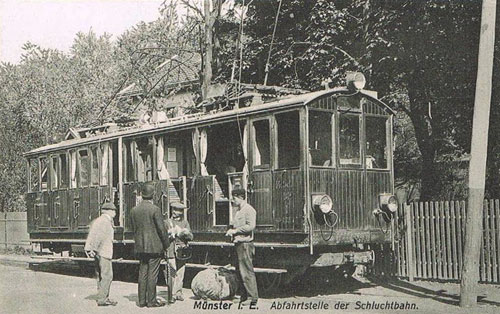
207	64
423	132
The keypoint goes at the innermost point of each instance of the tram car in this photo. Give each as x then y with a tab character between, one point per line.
317	167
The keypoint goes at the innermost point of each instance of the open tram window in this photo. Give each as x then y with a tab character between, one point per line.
349	139
94	170
175	154
84	168
63	159
376	142
144	159
288	139
44	175
130	165
262	144
320	138
54	173
33	175
224	157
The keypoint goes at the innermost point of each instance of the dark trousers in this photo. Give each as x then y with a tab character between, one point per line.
246	252
104	274
149	268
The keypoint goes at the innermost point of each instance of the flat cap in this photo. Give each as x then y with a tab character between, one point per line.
177	206
238	192
108	206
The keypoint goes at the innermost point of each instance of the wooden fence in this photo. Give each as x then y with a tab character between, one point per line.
13	230
429	241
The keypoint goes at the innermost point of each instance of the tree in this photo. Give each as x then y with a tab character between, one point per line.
420	57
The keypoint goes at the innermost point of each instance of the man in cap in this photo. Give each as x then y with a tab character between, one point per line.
151	240
180	231
242	234
99	245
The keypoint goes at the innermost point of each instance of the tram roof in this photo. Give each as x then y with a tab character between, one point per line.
194	120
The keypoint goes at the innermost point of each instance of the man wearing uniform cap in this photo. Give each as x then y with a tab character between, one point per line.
244	223
99	245
150	243
180	231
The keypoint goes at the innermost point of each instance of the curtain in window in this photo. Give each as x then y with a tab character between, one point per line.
73	169
203	152
104	163
194	140
160	153
245	155
133	150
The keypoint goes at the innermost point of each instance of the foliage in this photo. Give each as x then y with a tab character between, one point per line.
421	57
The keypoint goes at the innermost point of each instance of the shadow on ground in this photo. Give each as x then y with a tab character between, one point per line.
440	295
315	282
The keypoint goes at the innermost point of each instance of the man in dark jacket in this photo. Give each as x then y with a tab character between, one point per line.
151	240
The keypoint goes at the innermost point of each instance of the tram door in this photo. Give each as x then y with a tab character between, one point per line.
58	194
93	188
137	171
33	213
169	164
42	200
260	177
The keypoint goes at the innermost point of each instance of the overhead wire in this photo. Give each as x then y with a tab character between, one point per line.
266	69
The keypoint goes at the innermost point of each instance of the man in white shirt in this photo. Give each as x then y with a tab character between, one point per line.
99	245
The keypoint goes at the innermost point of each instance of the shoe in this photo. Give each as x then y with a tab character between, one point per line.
157	304
179	298
171	301
142	305
107	303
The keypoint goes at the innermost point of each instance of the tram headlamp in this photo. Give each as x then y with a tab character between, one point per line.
355	80
388	202
322	203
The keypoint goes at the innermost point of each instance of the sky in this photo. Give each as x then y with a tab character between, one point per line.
54	23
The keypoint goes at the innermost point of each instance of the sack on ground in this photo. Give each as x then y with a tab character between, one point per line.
215	284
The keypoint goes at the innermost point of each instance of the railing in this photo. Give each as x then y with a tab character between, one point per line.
429	241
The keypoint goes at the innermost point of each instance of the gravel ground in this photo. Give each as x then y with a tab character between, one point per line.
54	287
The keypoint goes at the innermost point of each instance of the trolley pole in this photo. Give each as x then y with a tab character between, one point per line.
477	166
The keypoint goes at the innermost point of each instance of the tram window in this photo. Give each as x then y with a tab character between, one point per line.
349	102
144	160
94	170
130	161
320	138
376	142
64	170
33	175
288	139
54	173
44	176
261	147
349	150
84	167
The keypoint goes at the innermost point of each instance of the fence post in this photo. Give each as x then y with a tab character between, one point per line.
410	262
5	230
